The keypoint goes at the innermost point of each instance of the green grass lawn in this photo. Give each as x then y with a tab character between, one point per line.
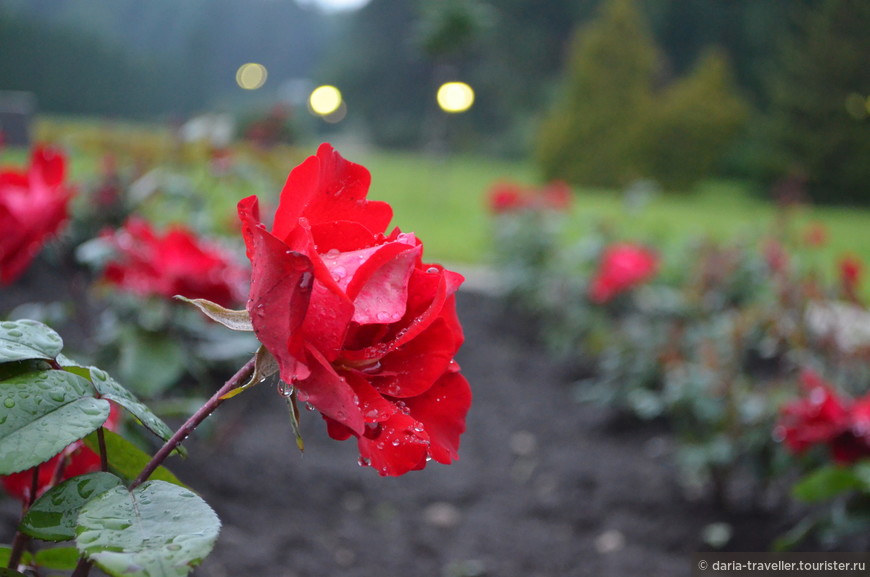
443	199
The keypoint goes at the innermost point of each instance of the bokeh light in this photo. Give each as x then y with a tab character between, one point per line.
251	75
325	100
455	97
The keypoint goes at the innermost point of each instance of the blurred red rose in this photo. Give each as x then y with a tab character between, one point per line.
174	263
360	326
815	234
76	459
505	197
33	207
821	417
622	267
508	197
851	269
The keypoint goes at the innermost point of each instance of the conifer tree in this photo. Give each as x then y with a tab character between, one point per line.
820	92
590	136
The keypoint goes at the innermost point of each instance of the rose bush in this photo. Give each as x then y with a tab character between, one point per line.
173	263
33	207
361	328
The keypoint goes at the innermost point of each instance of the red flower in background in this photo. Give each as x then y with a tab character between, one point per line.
174	263
33	206
77	459
815	235
622	267
507	197
851	269
359	325
823	418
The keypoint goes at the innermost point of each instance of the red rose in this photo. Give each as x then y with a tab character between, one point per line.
75	460
359	325
33	206
815	235
175	263
622	267
823	418
818	418
506	197
850	276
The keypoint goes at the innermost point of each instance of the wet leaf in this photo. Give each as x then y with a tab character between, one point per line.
27	339
126	459
265	366
43	412
826	483
156	530
57	558
110	389
234	320
6	554
53	516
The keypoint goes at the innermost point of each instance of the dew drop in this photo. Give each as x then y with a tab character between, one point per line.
364	462
9	403
285	390
305	280
432	269
383	316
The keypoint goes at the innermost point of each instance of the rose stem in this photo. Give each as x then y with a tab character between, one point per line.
193	422
20	541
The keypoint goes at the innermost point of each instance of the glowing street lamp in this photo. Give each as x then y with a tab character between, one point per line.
455	97
251	75
325	100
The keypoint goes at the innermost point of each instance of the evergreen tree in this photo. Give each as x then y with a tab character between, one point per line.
822	76
591	135
692	124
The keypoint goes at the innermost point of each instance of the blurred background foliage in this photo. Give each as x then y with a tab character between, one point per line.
600	92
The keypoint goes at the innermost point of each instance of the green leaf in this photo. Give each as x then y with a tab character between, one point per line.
27	339
53	516
57	558
156	530
6	554
234	320
43	413
826	483
110	389
150	362
10	573
126	459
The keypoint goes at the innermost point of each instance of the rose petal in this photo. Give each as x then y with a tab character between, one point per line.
442	410
401	445
414	368
379	289
328	188
281	282
330	393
